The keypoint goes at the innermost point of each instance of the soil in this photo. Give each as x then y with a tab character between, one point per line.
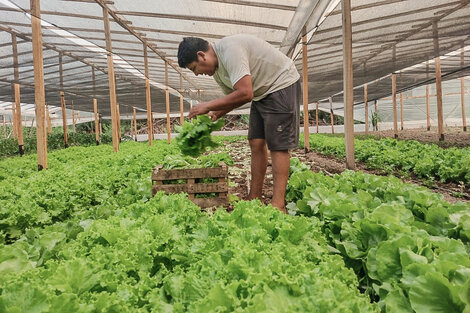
453	136
239	173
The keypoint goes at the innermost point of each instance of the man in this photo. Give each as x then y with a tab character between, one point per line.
250	69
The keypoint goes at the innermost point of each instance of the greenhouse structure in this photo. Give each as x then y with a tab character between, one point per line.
120	191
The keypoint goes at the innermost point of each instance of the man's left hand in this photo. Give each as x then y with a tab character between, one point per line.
198	109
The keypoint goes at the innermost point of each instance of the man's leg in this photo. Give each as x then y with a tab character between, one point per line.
259	163
281	164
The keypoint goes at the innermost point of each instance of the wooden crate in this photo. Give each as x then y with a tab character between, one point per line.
161	179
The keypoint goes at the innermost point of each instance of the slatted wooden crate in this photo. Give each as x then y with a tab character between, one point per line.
161	181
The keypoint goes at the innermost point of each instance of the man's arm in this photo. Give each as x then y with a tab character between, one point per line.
242	94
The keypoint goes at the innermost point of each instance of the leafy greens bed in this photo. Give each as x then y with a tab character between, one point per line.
409	248
425	160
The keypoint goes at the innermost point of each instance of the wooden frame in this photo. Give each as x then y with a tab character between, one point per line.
305	93
192	187
39	91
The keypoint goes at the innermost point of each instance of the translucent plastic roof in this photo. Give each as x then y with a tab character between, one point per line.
388	36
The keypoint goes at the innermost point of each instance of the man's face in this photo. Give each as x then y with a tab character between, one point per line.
205	64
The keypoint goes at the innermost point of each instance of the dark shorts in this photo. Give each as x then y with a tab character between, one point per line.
276	118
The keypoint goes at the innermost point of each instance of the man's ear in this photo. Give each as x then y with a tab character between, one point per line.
202	55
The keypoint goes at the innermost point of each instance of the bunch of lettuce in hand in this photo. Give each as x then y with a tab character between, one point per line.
195	136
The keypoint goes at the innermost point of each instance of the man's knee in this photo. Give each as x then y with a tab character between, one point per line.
257	145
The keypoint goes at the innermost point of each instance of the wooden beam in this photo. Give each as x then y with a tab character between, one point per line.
148	97
394	97
19	126
39	91
181	102
64	118
16	77
167	97
49	122
305	93
348	84
376	104
135	124
112	81
257	4
332	117
97	131
366	110
462	89
440	115
316	116
401	109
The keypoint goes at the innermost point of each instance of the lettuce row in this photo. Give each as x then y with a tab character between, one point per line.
409	248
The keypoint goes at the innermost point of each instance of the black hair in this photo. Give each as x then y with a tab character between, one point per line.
188	48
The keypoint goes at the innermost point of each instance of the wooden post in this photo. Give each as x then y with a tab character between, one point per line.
167	97
17	81
39	92
394	95
19	126
118	119
428	115
181	101
305	93
49	122
316	116
135	124
73	120
366	110
147	97
348	84
440	116
401	109
332	118
64	118
462	90
376	104
112	81
437	63
97	131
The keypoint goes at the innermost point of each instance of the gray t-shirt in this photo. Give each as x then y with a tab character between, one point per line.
241	55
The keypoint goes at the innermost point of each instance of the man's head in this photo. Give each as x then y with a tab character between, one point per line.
197	55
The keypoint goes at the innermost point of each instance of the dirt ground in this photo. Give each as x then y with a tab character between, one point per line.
453	136
239	173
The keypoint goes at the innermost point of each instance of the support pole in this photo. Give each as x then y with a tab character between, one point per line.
462	90
428	113
19	126
17	81
316	116
64	119
112	81
440	116
348	84
97	131
401	109
305	92
49	122
437	63
167	97
181	101
366	110
428	108
394	95
147	98
332	118
135	124
376	104
39	92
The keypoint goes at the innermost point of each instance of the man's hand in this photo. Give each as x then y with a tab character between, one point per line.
198	109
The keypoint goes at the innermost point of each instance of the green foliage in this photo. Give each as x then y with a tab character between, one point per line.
406	244
195	137
427	161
